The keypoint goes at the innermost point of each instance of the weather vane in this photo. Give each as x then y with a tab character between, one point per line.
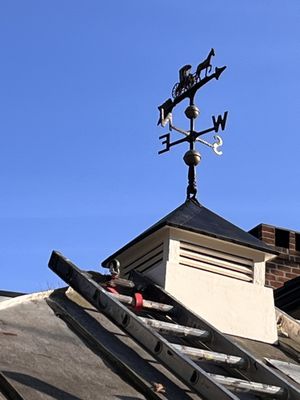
187	87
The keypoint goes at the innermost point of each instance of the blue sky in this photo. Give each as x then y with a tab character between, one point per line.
80	85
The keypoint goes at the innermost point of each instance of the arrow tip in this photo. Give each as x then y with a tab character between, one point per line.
218	71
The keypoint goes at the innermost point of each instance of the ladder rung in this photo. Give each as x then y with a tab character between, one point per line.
152	305
175	329
241	385
109	280
212	356
121	282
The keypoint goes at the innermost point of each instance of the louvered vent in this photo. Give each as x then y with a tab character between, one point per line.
145	261
218	262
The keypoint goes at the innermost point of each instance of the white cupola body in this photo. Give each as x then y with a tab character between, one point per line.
213	267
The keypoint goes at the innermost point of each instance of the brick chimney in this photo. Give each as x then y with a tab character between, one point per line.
286	265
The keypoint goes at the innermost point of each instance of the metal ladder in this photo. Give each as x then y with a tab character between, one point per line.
150	321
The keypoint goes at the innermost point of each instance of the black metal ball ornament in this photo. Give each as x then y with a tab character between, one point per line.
192	158
192	112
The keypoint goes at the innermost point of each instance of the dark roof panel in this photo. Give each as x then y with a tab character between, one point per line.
194	217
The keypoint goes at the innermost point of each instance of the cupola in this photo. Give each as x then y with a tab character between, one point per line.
211	266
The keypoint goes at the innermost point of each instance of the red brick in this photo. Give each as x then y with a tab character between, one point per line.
291	276
267	238
295	265
292	237
295	258
296	271
283	250
271	265
271	272
268	235
270	242
279	268
286	269
281	262
294	252
285	280
278	261
275	284
271	278
267	229
280	273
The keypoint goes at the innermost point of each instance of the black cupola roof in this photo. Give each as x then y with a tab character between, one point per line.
194	217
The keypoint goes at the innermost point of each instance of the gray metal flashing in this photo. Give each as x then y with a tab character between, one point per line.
292	370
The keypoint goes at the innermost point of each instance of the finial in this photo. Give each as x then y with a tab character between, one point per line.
189	83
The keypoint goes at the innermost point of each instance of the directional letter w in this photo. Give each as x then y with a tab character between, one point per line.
220	121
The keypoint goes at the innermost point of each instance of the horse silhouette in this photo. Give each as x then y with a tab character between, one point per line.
205	64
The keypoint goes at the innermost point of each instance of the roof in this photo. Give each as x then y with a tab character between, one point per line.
194	217
64	345
65	349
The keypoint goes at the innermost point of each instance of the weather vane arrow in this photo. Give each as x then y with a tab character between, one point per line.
189	83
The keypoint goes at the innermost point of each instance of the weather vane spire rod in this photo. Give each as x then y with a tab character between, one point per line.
189	83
